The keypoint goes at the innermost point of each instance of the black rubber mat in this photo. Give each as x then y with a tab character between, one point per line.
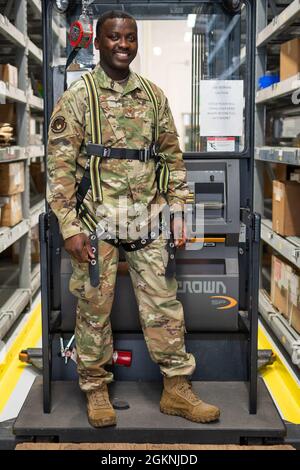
143	421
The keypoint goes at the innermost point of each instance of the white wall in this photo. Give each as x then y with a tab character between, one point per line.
171	70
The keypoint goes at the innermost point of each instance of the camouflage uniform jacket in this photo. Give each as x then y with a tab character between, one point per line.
127	122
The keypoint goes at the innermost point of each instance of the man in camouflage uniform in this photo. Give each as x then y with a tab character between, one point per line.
127	122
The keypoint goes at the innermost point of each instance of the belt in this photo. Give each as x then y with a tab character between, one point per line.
143	155
101	234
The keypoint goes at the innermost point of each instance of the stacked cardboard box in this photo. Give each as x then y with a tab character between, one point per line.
8	113
280	172
12	178
35	247
9	74
285	291
37	173
11	188
11	210
289	58
285	208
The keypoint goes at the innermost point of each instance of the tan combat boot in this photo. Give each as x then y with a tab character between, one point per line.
100	410
179	399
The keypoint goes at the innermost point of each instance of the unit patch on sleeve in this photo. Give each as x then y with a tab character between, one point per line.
58	125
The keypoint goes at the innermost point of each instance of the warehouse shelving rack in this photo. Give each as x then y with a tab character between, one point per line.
283	26
21	36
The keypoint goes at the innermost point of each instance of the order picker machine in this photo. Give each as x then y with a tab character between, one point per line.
218	283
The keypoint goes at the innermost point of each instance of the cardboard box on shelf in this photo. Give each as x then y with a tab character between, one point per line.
279	285
280	172
35	251
285	208
295	318
285	290
35	244
9	74
11	211
35	247
8	114
295	301
289	58
12	178
37	173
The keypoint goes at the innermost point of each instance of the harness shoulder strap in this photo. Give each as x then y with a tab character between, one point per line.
163	172
94	107
92	170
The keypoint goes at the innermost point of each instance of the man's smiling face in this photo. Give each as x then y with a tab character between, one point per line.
117	43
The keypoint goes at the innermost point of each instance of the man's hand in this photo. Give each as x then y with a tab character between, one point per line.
79	246
179	230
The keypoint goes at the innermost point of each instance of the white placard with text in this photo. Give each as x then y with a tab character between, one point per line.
221	108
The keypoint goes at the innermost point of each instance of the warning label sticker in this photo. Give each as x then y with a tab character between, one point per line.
220	144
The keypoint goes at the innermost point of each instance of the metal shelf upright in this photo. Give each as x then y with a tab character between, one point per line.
21	32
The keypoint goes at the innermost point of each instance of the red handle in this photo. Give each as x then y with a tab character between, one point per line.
122	358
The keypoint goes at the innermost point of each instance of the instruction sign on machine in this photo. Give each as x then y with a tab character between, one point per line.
221	113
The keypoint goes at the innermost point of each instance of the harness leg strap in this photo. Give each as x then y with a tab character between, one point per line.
94	268
171	249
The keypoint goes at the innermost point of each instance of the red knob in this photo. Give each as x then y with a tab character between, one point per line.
122	358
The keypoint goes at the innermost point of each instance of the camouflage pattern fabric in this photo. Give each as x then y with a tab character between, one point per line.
161	314
127	122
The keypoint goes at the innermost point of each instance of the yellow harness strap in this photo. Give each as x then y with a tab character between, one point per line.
93	162
96	135
162	169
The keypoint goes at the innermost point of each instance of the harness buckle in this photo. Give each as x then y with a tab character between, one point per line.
144	155
106	152
100	231
153	149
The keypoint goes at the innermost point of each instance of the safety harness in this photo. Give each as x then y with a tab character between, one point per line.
96	151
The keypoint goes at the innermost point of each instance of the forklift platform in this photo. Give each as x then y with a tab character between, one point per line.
143	422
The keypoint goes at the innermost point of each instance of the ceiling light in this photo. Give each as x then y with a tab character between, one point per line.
157	51
191	20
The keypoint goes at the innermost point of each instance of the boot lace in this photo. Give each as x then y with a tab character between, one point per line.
99	398
185	388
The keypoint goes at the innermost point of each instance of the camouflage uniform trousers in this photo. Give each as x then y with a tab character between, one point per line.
161	314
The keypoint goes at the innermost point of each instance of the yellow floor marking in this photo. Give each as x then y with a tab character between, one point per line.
11	368
282	385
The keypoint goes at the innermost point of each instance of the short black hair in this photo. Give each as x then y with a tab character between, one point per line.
108	15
